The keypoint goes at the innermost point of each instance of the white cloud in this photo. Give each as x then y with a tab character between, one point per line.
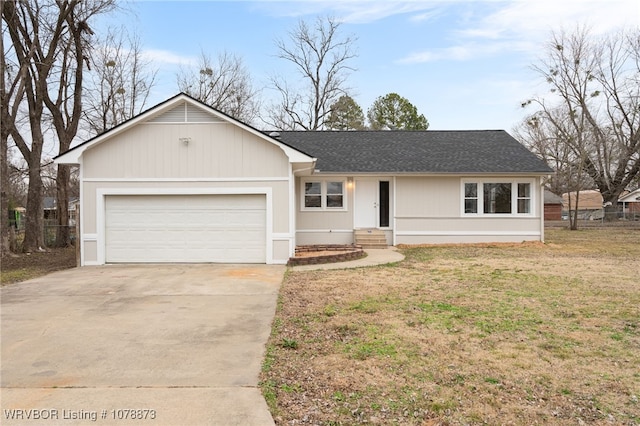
352	11
522	26
365	12
534	20
526	19
426	16
454	53
165	57
465	51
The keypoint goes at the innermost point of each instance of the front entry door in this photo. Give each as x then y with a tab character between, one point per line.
366	209
371	203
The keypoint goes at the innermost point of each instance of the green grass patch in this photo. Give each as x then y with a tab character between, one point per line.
363	349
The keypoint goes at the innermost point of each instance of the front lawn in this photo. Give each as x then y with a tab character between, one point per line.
494	334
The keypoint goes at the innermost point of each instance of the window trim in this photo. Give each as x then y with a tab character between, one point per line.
324	183
514	197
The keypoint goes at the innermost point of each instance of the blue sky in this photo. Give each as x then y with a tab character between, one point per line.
463	64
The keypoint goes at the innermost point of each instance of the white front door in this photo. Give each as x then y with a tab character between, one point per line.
366	203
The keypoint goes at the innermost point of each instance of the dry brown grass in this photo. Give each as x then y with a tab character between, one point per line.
15	268
491	334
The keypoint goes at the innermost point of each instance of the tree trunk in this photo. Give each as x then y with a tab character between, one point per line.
34	225
4	199
4	158
573	218
611	212
63	236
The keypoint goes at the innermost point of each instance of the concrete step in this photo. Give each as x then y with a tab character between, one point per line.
370	238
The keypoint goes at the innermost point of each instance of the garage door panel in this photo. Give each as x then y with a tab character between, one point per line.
176	228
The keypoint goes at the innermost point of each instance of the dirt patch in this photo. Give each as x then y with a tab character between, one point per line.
24	266
464	334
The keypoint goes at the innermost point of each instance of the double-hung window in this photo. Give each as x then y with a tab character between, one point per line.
524	198
471	198
497	198
324	195
313	194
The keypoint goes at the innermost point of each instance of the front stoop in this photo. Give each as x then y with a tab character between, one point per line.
371	238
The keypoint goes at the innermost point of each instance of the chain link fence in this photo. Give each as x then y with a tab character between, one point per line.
49	234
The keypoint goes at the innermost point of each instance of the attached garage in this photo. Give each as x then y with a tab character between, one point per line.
181	228
185	183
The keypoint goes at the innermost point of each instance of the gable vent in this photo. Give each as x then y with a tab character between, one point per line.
186	113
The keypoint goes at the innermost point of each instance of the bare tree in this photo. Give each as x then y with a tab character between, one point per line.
224	84
596	82
321	57
50	42
119	83
6	94
556	137
18	186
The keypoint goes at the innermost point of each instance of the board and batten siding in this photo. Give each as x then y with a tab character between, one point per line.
153	158
428	210
159	150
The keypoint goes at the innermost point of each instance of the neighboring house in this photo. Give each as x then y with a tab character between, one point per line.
552	206
49	205
183	182
590	204
631	205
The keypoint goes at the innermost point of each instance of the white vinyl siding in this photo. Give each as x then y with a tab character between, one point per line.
185	228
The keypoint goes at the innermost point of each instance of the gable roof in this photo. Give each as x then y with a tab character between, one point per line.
551	198
170	111
631	197
430	151
589	199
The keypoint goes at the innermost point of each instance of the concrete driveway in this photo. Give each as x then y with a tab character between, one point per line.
148	344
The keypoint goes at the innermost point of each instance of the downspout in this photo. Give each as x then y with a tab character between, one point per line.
292	212
541	198
293	223
393	231
80	217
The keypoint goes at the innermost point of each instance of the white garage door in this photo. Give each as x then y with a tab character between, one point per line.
185	228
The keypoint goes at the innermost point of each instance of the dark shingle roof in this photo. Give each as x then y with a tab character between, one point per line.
431	151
